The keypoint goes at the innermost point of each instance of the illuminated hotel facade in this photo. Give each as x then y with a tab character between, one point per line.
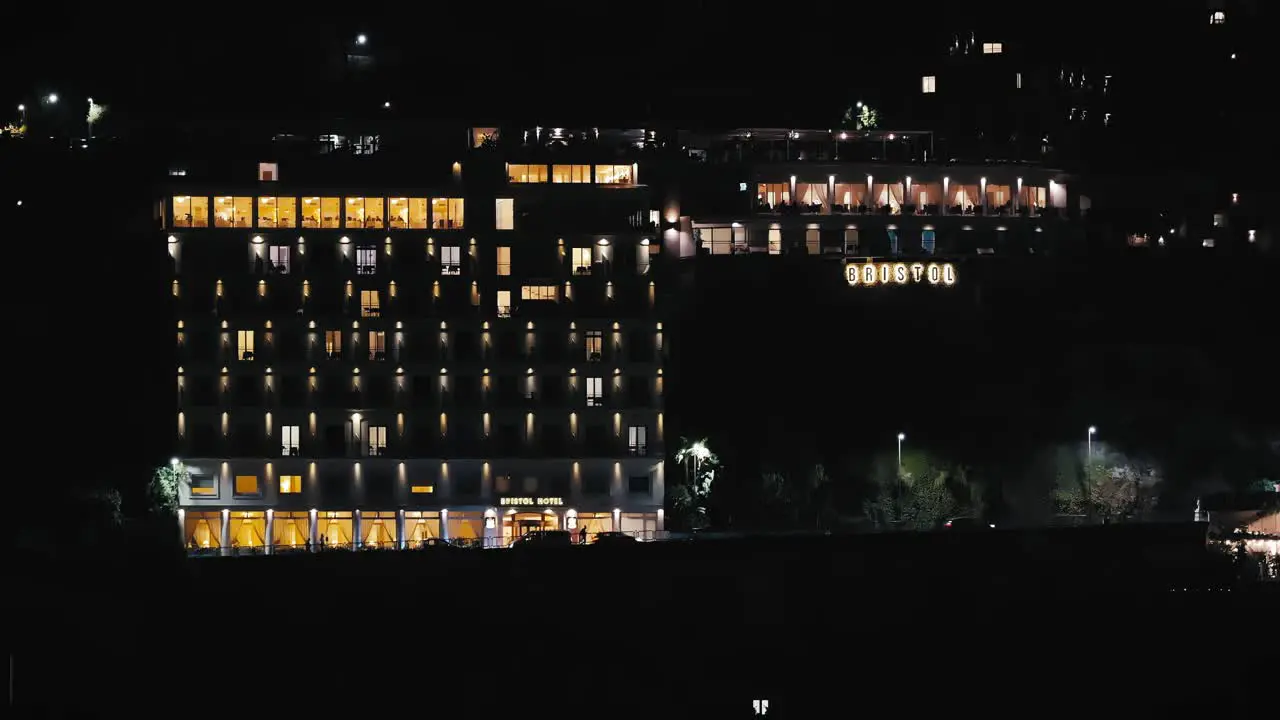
380	365
376	367
799	195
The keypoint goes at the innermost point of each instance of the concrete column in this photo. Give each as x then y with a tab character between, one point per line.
662	520
444	524
269	540
400	539
182	527
617	520
356	530
312	527
225	533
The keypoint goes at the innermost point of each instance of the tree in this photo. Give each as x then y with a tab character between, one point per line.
162	491
919	494
1108	489
689	500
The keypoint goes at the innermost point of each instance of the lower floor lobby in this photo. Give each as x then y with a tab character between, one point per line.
266	531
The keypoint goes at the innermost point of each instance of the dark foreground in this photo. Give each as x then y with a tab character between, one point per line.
1109	621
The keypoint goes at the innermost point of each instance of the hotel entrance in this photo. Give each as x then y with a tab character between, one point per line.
517	525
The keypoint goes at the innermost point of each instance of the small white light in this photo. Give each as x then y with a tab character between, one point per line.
361	39
386	104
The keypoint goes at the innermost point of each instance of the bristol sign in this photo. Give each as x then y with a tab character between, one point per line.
869	273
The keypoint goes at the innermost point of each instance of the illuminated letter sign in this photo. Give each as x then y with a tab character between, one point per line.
542	501
872	273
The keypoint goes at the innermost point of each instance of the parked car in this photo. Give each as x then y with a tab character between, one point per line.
544	538
612	539
968	523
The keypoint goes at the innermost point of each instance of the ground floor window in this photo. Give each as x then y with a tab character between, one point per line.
378	528
641	525
248	530
466	526
420	526
594	523
203	529
333	529
290	529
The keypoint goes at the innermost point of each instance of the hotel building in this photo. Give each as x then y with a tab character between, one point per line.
382	364
379	366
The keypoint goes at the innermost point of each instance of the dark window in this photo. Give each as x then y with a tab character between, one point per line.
204	440
248	390
639	485
202	390
293	392
424	388
554	440
638	391
335	441
595	483
640	346
508	347
465	347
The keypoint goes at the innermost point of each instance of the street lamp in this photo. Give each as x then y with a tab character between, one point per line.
361	39
51	98
174	462
22	113
1089	441
901	437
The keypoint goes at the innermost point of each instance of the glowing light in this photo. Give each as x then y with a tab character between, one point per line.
897	273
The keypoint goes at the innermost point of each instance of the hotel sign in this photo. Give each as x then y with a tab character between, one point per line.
543	501
896	273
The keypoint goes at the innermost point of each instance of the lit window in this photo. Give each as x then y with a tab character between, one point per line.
333	344
539	292
366	260
246	485
244	344
504	261
422	489
279	256
571	173
504	214
377	440
451	260
268	172
595	345
582	261
363	213
447	213
614	175
318	212
1217	17
232	212
527	173
504	303
190	211
203	485
1017	80
377	345
595	392
407	213
290	484
290	435
277	212
369	305
637	440
928	84
992	48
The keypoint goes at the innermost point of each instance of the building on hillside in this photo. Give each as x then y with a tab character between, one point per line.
376	366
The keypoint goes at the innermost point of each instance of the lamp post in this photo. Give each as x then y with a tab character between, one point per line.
1089	441
22	114
901	437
